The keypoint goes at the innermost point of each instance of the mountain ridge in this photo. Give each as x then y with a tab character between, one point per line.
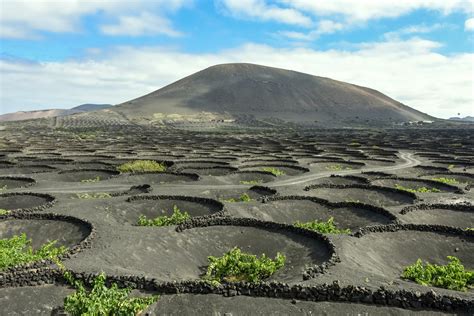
261	91
35	114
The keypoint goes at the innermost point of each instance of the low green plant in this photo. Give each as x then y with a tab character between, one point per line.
451	276
141	166
244	197
99	195
236	265
275	171
96	179
446	180
252	182
2	188
327	227
4	212
86	136
177	218
451	166
102	300
352	201
18	250
417	190
470	229
337	167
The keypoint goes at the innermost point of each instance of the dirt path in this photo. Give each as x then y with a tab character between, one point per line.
408	161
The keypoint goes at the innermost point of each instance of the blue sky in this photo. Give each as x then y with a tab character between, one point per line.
61	53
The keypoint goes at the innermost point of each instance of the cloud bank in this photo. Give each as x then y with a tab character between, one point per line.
411	71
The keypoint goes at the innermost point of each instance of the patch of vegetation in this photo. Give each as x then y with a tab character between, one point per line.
244	197
417	190
96	179
275	171
177	218
352	201
141	166
252	182
470	229
446	180
3	187
451	276
98	195
236	265
451	166
86	136
18	250
337	167
355	144
4	212
327	227
102	300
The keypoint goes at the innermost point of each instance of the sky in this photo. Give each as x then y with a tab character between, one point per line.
62	53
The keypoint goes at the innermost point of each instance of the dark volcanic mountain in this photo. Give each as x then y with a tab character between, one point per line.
265	92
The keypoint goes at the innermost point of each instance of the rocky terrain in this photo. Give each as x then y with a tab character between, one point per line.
61	180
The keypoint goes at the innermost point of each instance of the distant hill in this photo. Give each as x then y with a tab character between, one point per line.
27	115
243	90
90	107
464	119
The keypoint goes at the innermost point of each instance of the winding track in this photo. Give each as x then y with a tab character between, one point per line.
408	161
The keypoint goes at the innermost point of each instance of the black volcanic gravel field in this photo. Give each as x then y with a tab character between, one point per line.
55	185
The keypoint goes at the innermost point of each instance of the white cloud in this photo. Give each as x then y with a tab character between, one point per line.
260	10
26	18
324	27
416	29
364	10
328	26
410	71
142	24
469	24
421	28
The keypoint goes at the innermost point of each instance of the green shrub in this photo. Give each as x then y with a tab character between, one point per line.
236	265
337	167
96	179
352	201
274	171
244	197
99	195
323	227
470	229
446	180
177	218
417	190
451	276
252	182
17	250
4	212
3	187
142	166
86	136
103	300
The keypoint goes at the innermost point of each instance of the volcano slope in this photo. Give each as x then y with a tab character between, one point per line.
65	185
248	91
